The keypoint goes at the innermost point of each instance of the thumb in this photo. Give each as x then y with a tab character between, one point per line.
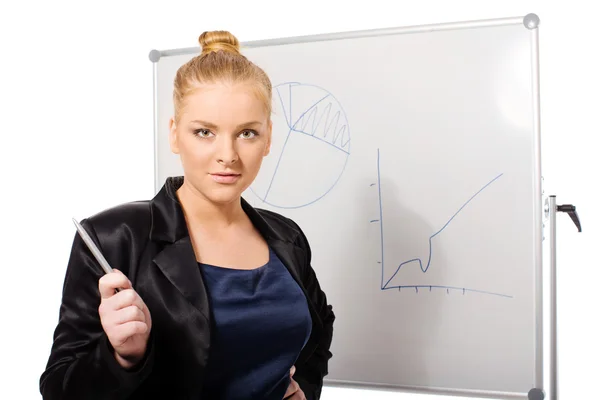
292	370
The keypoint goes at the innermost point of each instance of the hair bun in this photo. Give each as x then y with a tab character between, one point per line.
219	40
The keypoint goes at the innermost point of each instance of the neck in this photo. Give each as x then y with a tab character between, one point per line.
201	211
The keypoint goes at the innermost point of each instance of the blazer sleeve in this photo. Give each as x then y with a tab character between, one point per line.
81	364
310	374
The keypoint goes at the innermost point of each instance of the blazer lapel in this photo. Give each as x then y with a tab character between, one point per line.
178	263
177	259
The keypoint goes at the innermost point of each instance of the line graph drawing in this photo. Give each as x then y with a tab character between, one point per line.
423	266
308	162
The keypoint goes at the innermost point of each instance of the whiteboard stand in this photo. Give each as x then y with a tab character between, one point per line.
551	209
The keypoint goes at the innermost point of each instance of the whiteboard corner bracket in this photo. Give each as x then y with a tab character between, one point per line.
154	56
536	394
531	21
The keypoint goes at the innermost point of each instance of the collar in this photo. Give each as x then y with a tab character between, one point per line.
169	223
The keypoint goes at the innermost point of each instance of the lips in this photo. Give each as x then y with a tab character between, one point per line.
225	177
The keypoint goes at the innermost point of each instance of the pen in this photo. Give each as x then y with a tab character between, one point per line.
93	248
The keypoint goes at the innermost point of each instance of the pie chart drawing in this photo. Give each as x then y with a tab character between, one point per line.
309	150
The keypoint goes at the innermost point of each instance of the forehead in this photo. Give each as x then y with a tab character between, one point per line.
224	104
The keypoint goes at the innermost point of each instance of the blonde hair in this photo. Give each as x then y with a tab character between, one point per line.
220	61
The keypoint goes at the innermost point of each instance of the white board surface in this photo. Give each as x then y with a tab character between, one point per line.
410	158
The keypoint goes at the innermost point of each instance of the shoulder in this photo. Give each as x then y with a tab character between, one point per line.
131	219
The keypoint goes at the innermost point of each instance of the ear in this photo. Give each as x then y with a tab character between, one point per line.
269	134
173	136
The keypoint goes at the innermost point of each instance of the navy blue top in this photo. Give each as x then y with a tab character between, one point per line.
261	322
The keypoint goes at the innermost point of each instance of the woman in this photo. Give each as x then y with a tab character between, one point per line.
217	300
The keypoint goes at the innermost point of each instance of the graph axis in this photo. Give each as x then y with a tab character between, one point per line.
386	286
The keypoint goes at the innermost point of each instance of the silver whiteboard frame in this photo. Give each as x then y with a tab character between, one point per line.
529	21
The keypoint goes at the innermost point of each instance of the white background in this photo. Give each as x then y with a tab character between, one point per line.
76	118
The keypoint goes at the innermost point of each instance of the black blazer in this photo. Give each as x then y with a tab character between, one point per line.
149	242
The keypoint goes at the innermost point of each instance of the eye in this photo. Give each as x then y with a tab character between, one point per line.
248	134
203	133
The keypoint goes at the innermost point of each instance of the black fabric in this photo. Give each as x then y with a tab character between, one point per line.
149	242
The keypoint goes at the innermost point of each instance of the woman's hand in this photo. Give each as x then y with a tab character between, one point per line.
125	318
293	391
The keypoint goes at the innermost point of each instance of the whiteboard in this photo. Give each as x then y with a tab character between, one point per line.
410	157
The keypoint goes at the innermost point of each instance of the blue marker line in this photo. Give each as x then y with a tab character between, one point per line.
399	287
380	217
287	121
286	141
314	111
304	120
321	140
426	268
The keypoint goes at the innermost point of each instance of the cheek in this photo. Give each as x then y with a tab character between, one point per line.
194	153
258	162
255	157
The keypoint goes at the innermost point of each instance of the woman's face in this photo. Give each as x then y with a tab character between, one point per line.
222	136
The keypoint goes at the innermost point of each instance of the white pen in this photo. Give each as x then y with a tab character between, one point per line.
93	248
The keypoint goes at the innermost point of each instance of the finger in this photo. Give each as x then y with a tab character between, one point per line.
109	282
292	370
125	298
128	314
291	389
120	333
299	395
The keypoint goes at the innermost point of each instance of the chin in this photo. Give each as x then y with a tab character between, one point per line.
223	195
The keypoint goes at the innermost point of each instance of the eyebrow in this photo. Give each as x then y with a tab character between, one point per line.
213	126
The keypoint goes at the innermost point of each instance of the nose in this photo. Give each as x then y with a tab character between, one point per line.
226	152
